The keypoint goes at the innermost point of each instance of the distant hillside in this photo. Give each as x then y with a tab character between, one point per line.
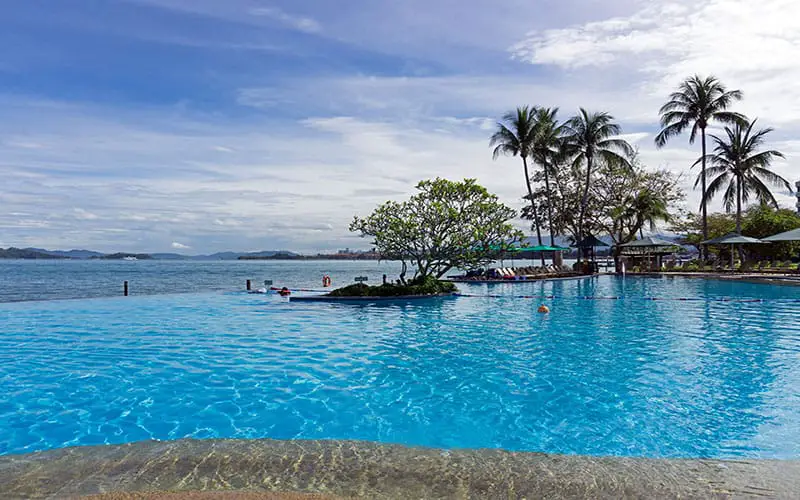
170	256
90	254
120	256
70	254
26	253
269	256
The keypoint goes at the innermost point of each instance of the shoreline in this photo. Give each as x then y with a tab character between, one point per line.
355	469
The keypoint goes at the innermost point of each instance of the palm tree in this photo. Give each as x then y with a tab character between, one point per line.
647	208
547	149
741	169
696	103
590	137
515	136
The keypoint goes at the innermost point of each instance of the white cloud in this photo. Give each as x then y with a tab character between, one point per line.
301	23
749	45
84	215
180	246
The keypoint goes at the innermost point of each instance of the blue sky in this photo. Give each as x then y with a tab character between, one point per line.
206	125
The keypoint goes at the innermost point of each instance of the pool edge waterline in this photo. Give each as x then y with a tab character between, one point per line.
374	470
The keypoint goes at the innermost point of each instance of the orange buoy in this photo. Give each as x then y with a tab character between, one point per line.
544	309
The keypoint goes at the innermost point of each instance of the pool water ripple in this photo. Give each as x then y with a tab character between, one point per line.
702	378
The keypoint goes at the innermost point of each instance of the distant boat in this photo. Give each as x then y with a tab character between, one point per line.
129	258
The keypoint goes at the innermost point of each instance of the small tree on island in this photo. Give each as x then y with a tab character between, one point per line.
445	225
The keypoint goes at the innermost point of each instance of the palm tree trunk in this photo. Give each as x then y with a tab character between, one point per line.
584	202
739	204
533	205
549	205
738	217
703	196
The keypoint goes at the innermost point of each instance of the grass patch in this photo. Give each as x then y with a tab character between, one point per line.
425	286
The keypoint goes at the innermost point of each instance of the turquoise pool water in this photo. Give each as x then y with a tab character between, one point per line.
625	376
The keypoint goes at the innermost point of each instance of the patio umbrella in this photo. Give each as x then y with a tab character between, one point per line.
545	248
512	250
793	235
733	239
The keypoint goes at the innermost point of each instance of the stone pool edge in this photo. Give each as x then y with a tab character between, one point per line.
373	470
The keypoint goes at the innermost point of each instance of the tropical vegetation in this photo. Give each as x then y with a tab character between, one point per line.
740	169
446	225
694	105
516	136
758	221
591	181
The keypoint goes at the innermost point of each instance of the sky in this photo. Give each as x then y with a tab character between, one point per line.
206	125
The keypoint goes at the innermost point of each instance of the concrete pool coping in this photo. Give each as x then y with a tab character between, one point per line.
353	469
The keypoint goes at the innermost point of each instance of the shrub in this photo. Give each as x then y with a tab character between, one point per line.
422	286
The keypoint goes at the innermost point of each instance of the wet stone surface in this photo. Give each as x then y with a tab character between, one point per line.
369	470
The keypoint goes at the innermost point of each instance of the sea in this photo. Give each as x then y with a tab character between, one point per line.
23	280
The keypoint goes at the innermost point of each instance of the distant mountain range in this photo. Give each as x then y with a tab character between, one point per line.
26	253
41	253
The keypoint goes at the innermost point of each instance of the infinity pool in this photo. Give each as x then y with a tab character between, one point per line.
613	374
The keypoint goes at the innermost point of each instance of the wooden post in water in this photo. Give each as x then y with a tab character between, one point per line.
125	288
248	285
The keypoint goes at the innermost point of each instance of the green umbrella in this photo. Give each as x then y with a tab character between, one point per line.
545	248
793	235
732	239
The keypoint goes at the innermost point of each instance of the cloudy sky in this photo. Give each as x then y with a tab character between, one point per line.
206	125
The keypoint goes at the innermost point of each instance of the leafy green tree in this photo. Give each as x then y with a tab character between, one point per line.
759	221
445	225
628	199
565	196
690	228
515	136
764	220
591	137
695	104
741	169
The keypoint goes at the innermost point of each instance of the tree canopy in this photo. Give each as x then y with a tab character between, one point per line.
759	221
446	225
740	169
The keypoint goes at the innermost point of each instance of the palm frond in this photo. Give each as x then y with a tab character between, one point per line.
714	186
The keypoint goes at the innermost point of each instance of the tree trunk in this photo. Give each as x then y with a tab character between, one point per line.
704	253
533	205
739	204
549	205
584	202
739	179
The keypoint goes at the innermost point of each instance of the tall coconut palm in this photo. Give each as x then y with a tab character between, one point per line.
547	150
515	136
590	137
741	169
696	103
